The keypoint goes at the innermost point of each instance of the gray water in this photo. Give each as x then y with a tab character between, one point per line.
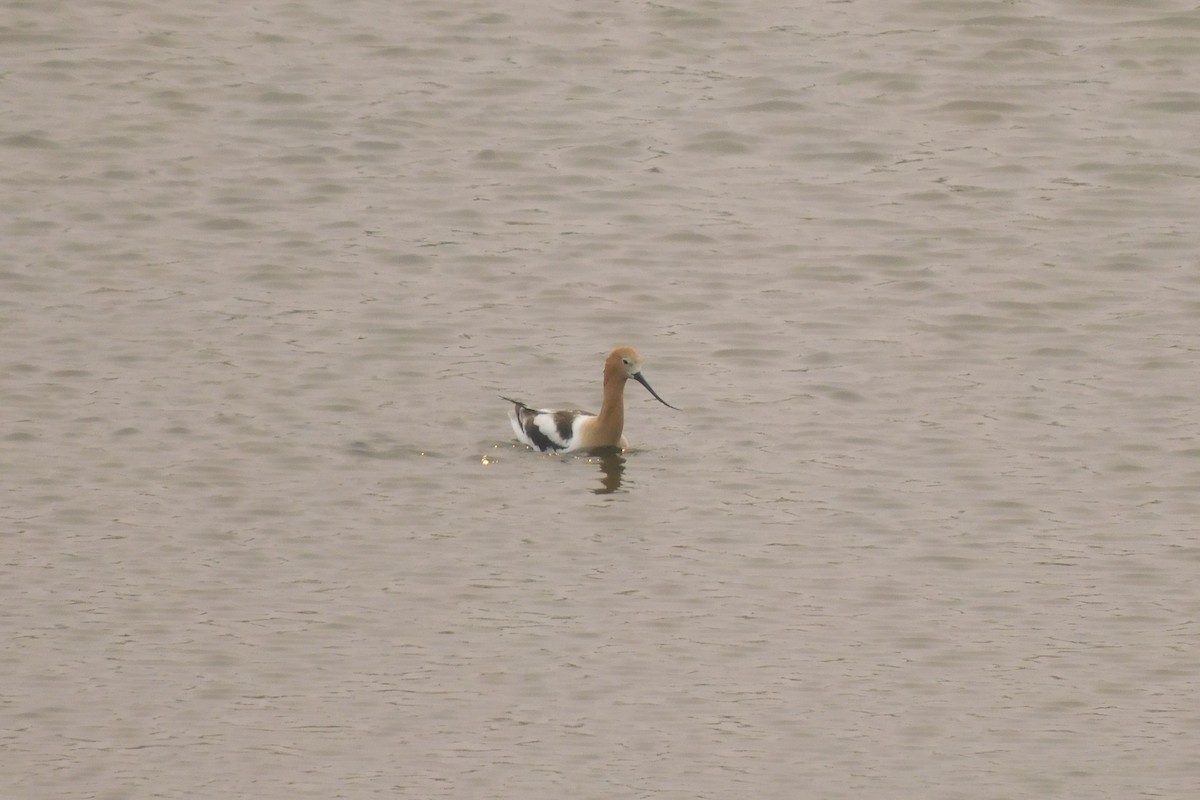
921	276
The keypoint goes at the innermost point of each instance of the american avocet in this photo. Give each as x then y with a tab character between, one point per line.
567	431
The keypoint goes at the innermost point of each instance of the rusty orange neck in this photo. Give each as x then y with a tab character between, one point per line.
610	422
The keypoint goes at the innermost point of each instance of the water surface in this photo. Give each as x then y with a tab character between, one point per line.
922	278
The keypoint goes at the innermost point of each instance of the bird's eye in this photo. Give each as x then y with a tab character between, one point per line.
625	361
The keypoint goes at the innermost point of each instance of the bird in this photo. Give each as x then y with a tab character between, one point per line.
552	431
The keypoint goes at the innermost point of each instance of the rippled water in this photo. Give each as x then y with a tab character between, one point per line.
921	276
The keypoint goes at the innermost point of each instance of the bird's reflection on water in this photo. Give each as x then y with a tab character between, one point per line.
612	468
